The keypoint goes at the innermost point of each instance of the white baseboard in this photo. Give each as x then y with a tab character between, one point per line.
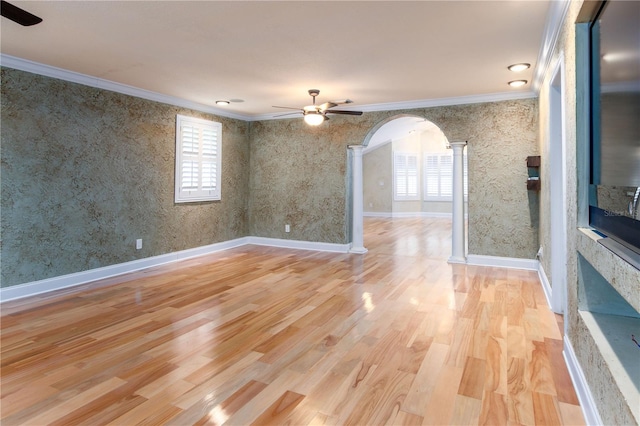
546	286
377	214
587	403
502	262
299	245
70	280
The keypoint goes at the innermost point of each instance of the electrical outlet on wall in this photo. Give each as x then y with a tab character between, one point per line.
287	228
139	244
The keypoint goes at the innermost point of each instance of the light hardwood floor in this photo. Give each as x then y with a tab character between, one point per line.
259	335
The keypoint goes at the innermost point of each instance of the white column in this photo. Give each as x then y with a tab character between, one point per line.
357	245
457	226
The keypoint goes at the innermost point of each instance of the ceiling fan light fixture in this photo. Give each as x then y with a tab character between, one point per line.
517	83
313	118
519	67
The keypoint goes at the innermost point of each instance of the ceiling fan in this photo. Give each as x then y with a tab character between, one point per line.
18	15
316	114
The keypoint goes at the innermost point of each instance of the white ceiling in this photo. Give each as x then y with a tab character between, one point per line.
270	53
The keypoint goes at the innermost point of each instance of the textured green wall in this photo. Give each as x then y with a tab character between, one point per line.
86	171
298	174
298	177
377	169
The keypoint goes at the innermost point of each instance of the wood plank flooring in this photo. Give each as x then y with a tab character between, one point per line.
259	335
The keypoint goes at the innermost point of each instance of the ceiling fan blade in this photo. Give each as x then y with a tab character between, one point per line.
289	113
325	106
342	101
275	106
18	15
333	111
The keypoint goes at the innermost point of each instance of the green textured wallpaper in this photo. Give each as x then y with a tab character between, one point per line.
298	174
85	172
377	177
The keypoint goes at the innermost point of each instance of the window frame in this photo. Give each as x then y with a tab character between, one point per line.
425	176
406	155
201	159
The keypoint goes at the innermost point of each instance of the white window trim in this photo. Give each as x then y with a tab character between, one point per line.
396	196
200	159
425	177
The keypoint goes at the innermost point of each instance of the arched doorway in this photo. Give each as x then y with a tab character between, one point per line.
413	174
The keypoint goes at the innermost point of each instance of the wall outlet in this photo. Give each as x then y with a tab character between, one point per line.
287	228
139	244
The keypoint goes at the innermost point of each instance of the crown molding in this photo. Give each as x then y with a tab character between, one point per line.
553	26
75	77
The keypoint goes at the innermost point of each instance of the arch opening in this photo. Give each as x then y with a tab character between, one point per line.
406	163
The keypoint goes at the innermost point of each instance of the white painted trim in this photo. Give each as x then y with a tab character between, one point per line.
458	240
378	214
74	77
553	26
100	83
546	286
71	280
358	250
587	403
357	200
299	245
502	262
556	136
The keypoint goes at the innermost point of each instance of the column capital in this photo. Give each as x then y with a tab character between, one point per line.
356	148
458	144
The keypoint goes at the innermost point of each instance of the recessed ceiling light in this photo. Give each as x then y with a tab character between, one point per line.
222	103
519	67
517	83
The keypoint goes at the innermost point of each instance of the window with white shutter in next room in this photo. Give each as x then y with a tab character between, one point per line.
405	176
438	176
198	159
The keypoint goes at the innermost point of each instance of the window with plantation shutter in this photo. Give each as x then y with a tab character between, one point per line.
438	176
405	176
198	157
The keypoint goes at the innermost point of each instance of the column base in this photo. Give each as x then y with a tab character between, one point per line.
358	250
456	259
